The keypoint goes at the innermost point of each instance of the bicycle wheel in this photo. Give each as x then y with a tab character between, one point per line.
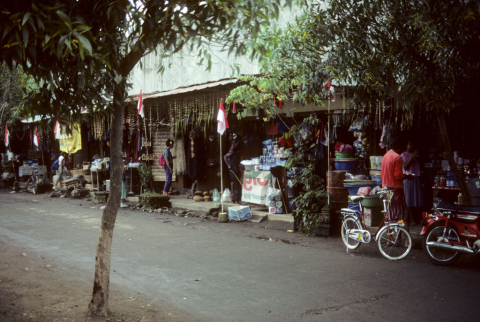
394	242
440	256
348	224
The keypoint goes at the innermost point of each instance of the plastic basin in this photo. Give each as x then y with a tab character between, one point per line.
372	202
345	164
343	154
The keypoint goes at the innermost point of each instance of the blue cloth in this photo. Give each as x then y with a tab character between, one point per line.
168	180
124	191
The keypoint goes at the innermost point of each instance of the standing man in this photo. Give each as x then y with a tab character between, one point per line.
392	177
232	159
168	167
62	169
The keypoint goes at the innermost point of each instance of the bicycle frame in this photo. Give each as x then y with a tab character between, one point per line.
384	224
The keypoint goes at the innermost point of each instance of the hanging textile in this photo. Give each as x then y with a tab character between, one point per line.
180	162
70	143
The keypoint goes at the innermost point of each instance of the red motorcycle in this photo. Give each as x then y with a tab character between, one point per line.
452	230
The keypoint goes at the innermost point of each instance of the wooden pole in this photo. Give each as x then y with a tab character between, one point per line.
221	170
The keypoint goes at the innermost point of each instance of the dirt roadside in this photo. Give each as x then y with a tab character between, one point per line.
32	290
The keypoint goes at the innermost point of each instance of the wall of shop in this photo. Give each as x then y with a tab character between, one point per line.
182	68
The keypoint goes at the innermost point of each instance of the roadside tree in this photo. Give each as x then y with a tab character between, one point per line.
81	53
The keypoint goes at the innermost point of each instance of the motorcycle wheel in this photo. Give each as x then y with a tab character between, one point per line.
394	243
348	224
436	255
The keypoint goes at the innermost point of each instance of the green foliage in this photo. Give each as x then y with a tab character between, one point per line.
14	84
150	194
79	53
421	52
146	176
313	197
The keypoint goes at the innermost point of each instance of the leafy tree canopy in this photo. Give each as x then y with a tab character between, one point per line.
77	50
427	52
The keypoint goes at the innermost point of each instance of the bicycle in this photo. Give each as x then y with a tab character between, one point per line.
388	235
32	183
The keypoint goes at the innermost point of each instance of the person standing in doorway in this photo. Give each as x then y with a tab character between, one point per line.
62	169
413	187
232	159
168	167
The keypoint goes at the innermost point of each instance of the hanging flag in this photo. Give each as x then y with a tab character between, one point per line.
233	108
57	128
222	119
140	105
36	139
7	136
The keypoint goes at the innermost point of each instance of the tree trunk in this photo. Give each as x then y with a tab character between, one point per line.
99	303
451	161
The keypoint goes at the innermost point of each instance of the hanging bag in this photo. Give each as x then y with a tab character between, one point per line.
272	129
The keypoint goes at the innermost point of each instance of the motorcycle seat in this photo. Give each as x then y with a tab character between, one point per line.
444	206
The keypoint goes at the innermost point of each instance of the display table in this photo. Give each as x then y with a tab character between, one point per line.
98	173
255	186
28	170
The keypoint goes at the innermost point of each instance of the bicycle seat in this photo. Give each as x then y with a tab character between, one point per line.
349	211
356	198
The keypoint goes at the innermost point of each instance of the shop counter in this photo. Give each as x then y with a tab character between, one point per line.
255	186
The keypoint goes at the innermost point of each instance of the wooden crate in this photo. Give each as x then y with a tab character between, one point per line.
80	172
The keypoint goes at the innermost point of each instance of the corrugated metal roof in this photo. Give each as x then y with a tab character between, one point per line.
186	89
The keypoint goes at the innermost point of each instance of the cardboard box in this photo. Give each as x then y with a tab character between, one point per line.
239	213
372	216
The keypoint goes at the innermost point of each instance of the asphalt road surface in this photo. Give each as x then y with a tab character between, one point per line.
234	272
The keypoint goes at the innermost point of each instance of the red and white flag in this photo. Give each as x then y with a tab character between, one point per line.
140	105
7	136
222	119
36	139
57	128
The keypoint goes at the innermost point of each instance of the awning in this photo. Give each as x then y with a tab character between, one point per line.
186	89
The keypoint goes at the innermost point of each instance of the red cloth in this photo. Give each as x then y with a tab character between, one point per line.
392	170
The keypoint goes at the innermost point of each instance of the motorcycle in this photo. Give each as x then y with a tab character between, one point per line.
450	231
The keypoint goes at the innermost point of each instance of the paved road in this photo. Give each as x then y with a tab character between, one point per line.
241	275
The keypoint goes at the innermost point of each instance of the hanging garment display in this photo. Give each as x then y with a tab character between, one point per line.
180	162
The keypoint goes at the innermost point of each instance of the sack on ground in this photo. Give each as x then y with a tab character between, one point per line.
226	196
216	196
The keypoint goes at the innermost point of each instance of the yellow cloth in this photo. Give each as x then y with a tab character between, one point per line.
73	143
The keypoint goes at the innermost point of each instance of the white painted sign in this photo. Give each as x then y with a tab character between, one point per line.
255	189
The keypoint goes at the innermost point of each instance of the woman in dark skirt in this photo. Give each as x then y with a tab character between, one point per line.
413	187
